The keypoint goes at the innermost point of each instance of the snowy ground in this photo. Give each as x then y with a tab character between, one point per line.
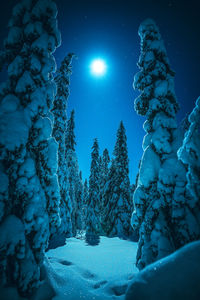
78	271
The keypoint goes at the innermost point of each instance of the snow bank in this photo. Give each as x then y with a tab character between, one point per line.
173	277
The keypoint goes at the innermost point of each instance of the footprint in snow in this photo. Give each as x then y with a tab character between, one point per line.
119	290
88	275
65	262
99	284
60	261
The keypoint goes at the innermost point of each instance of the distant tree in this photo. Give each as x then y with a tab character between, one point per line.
189	153
85	202
59	110
117	193
159	199
135	236
72	167
75	181
29	191
103	177
70	135
93	226
79	202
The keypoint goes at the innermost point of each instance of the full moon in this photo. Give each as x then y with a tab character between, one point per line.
98	67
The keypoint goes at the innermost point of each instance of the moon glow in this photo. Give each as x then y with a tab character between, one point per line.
98	67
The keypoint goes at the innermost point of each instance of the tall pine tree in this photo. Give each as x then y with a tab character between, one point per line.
160	203
29	194
79	202
118	202
85	203
59	110
103	178
73	169
93	225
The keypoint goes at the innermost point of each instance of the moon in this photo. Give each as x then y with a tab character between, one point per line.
98	67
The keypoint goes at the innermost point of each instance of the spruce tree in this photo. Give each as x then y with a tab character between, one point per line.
103	177
159	199
73	169
93	226
118	202
79	202
59	110
85	202
29	193
70	135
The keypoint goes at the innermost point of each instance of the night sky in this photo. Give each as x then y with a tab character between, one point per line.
108	30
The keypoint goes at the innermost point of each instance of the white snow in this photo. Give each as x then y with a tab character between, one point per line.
171	278
149	172
78	271
9	104
14	129
12	236
25	82
14	34
16	67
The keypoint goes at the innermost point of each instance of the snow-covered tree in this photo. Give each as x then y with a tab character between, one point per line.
85	202
159	199
59	110
93	225
103	177
189	153
29	195
73	169
70	135
117	194
79	202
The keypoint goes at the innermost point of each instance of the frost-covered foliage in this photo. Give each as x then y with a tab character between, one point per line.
59	110
93	222
161	214
73	172
189	153
70	135
85	202
29	191
104	163
117	193
79	202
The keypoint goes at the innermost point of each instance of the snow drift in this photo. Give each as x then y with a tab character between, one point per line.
173	277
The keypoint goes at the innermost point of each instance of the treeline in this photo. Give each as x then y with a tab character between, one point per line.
109	204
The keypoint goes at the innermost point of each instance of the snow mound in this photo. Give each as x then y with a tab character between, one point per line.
173	277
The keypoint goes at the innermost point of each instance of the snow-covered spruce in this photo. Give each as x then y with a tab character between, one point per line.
104	163
189	153
93	222
79	201
85	203
73	172
62	80
117	193
161	209
29	195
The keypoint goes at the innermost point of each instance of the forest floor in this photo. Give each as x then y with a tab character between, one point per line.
79	271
